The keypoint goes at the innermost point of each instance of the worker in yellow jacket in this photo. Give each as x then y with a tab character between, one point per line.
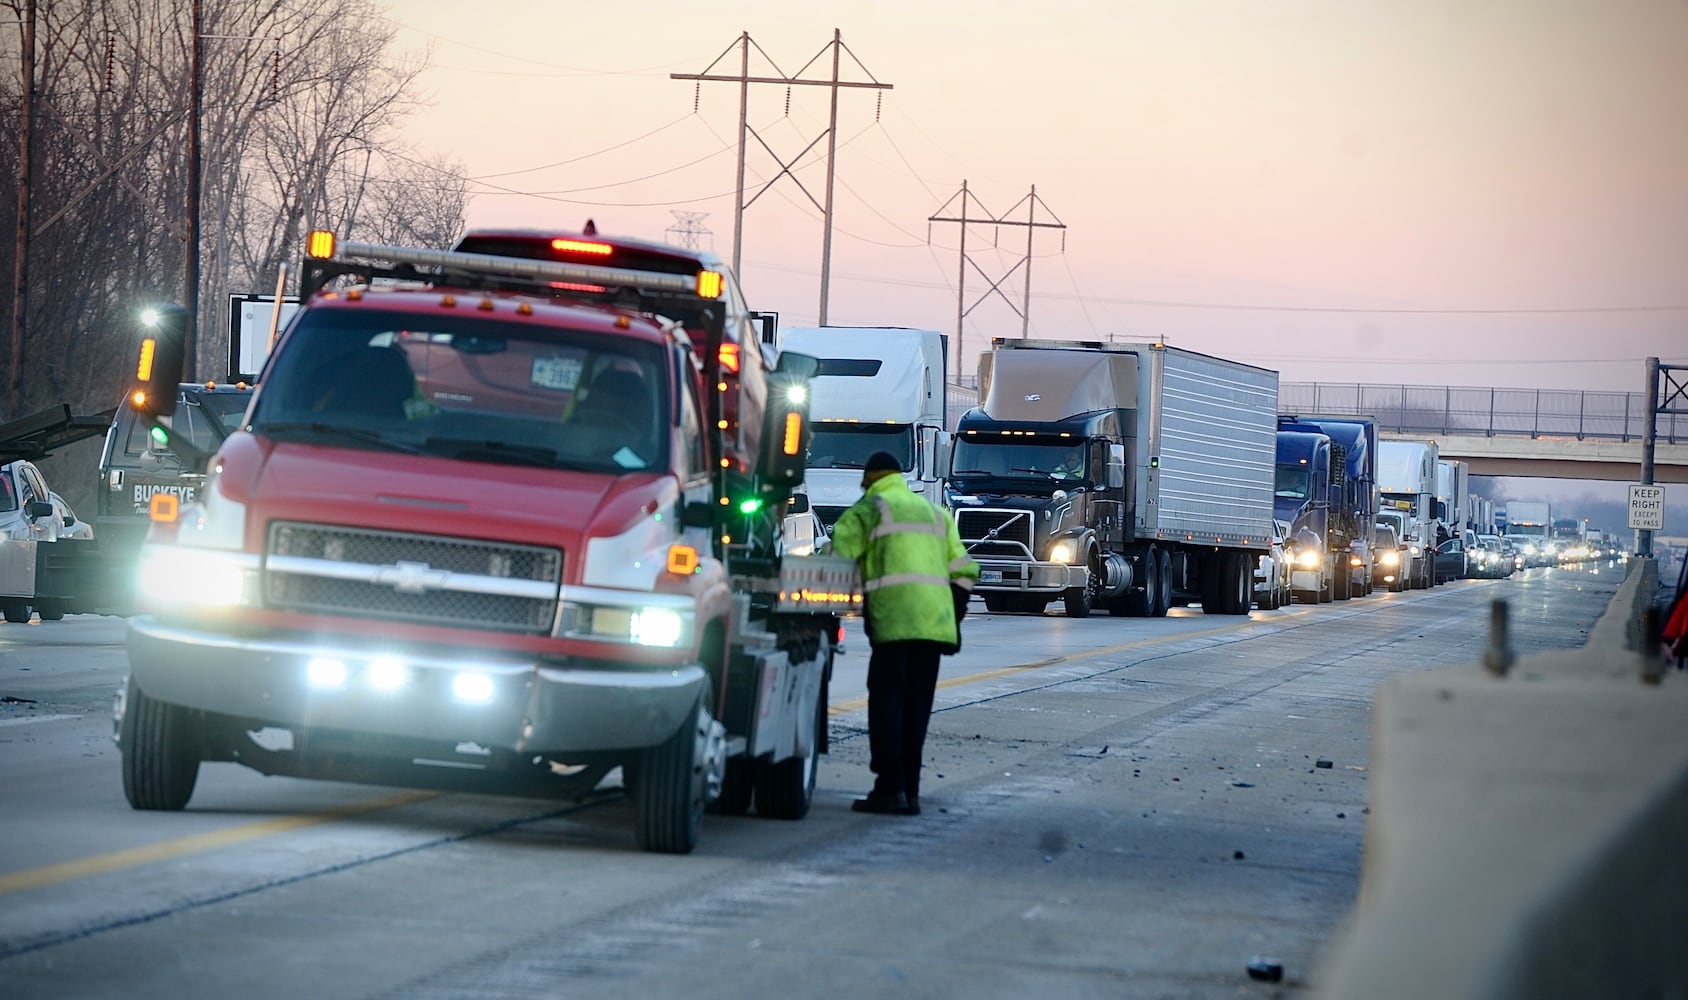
916	578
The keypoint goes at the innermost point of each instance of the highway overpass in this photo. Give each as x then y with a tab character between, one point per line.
1548	433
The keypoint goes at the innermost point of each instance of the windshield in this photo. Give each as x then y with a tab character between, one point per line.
203	418
8	493
1292	482
849	446
469	388
1054	458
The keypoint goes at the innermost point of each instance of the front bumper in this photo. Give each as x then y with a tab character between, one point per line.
1013	576
524	705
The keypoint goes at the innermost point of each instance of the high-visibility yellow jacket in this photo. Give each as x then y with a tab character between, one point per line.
910	553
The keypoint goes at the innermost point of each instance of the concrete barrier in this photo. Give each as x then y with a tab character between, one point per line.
1528	834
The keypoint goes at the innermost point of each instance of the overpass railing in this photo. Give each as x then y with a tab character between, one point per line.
1452	409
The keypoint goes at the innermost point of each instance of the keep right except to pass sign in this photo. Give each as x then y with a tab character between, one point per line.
1646	507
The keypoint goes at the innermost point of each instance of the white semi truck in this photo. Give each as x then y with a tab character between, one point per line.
1406	476
877	389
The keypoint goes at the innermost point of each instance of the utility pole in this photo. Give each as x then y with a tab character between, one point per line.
20	264
1674	379
689	230
190	281
1031	201
744	80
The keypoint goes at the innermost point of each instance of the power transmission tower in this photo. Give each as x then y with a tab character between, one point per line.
1031	201
744	80
689	231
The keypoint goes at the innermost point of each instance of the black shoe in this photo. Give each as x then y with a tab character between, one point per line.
895	805
913	807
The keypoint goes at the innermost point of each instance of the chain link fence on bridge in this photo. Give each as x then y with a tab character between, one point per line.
1536	413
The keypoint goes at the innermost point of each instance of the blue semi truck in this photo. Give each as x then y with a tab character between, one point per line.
1346	506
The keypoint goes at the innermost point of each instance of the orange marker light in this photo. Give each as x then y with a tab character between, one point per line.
582	246
793	433
143	371
682	559
138	399
729	357
319	244
164	507
709	284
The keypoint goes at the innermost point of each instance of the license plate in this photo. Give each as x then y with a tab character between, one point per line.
990	576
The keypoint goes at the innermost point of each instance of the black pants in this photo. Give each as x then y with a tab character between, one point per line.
901	679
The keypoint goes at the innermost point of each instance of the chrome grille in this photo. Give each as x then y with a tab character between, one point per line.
1013	538
328	570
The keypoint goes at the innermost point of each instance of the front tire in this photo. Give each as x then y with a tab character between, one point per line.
161	745
1079	601
669	795
15	611
50	611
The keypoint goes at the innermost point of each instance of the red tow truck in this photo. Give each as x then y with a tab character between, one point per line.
490	524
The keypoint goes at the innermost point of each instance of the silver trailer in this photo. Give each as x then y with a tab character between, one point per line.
1171	497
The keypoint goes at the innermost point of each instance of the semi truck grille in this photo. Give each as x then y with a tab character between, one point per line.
1012	538
356	572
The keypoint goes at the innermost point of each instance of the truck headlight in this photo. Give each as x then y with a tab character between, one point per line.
632	623
656	627
1061	552
1413	550
178	574
1307	559
1392	558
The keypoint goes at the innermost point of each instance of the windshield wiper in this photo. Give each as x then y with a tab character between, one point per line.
317	428
486	450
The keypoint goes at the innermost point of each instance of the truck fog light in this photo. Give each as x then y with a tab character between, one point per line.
388	673
476	689
325	672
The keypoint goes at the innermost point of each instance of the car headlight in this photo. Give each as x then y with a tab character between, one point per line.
185	575
1061	552
1307	559
1392	558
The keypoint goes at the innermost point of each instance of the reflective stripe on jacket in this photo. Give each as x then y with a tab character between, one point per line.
909	552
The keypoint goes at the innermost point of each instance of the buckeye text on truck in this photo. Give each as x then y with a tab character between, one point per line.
492	524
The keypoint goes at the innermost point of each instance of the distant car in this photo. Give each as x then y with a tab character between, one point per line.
27	518
1391	560
71	525
1272	571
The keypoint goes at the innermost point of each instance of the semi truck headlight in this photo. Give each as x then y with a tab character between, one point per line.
1413	550
1307	559
1061	552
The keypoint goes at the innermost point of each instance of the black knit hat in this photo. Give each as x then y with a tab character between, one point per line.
882	461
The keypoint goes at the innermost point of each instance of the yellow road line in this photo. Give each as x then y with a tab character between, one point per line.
856	704
99	864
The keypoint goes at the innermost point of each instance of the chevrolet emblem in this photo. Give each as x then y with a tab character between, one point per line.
411	577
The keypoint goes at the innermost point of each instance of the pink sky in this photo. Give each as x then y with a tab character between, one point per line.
1311	157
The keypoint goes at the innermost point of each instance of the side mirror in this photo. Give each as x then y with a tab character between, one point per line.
1338	466
69	522
160	359
36	509
1116	466
785	431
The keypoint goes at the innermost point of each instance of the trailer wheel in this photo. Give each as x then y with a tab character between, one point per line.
1080	600
670	792
161	746
1341	589
15	611
784	790
50	611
